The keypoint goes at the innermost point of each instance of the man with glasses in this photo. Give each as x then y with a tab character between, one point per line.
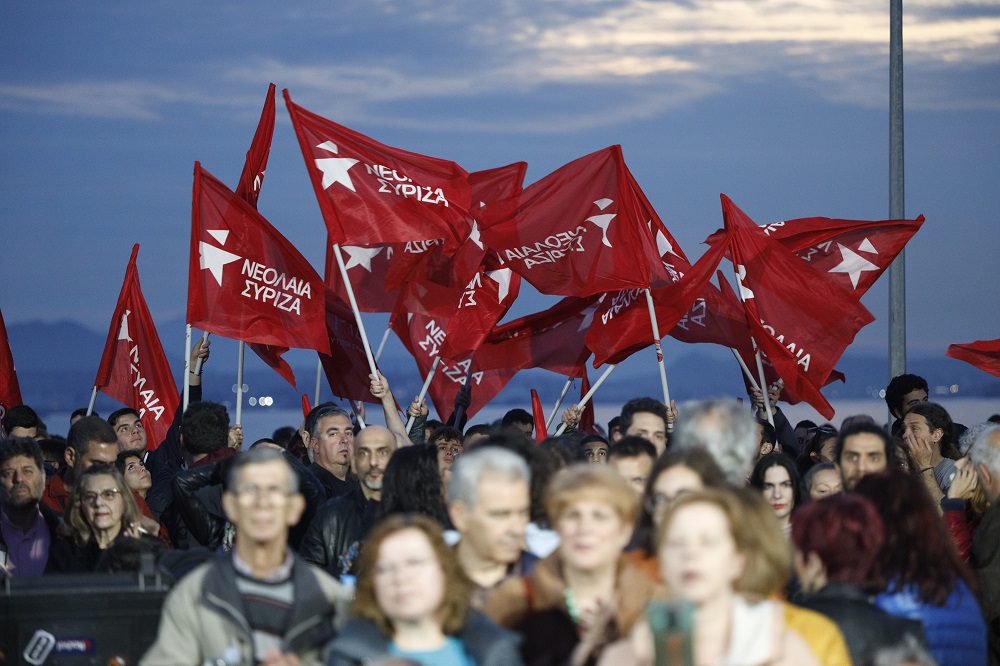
259	604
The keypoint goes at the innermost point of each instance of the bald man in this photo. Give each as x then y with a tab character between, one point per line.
335	535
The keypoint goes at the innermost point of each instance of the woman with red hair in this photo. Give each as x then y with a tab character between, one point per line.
836	542
919	573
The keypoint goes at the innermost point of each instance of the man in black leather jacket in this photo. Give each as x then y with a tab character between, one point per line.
334	537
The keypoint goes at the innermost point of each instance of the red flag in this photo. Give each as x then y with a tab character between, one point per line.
246	281
984	354
541	431
483	302
715	317
855	252
621	325
346	367
801	320
552	339
134	369
252	177
248	189
306	407
10	389
423	336
578	231
369	192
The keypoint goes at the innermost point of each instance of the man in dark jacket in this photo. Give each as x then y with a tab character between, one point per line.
334	537
26	524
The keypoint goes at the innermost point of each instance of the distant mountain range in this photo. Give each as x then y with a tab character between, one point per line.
56	363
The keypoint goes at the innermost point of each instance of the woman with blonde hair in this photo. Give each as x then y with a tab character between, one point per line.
722	554
584	595
100	509
412	602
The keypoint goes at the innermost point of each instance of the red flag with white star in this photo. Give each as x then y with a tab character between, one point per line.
984	354
854	252
800	319
10	389
246	281
134	369
369	192
580	230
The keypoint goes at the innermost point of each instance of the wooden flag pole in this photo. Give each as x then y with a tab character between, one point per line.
354	306
589	394
659	349
423	390
760	367
93	398
239	384
187	367
381	345
746	370
555	408
319	377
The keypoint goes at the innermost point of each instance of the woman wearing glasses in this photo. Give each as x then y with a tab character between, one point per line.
100	509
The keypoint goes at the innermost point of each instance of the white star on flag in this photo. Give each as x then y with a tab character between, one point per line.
502	277
474	235
603	221
853	264
335	168
214	258
741	274
360	256
123	329
588	317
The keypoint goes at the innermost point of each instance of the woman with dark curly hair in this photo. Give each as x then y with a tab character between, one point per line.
100	509
777	478
919	572
412	601
412	484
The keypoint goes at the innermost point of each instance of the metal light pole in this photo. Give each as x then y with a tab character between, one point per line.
897	272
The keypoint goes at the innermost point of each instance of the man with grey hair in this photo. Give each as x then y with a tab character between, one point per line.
984	556
331	440
260	604
489	502
723	428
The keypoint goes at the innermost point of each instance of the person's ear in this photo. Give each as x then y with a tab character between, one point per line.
458	513
69	455
296	506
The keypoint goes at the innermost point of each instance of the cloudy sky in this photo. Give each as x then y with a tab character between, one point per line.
781	104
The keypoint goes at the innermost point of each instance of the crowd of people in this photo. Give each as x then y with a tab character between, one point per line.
715	533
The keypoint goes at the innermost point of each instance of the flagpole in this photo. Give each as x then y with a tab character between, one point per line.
354	306
357	413
197	366
746	370
187	366
239	384
555	408
423	390
659	349
589	394
319	375
93	398
381	345
760	366
763	382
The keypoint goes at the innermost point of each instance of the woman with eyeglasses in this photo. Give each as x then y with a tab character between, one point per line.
675	473
412	604
100	509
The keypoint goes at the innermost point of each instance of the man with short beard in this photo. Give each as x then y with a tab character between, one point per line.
26	525
335	535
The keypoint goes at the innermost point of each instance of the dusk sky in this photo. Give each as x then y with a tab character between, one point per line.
782	105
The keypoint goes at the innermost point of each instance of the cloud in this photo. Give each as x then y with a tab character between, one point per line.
576	64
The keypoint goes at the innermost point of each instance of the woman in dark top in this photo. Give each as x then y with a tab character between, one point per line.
100	509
